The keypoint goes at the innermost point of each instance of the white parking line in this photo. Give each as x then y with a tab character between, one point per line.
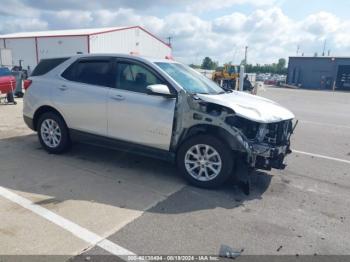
322	156
323	124
78	231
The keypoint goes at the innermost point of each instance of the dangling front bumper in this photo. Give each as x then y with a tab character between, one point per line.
267	157
272	150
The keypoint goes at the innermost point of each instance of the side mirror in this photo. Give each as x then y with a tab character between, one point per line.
159	90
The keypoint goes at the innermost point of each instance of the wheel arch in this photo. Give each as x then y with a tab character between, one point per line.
216	131
41	110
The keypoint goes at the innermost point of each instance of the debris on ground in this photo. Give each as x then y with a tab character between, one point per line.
279	248
229	252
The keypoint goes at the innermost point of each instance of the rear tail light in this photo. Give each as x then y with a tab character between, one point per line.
27	83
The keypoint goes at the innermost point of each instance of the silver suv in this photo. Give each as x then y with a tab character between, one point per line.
160	108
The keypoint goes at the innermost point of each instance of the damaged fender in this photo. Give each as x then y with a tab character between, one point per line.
257	141
195	115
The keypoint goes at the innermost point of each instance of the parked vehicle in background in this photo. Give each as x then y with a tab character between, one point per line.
271	79
7	84
7	81
161	108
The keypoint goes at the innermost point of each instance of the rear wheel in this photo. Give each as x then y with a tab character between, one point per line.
205	161
53	133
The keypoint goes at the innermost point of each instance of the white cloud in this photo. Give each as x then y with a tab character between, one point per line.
67	19
187	5
268	31
70	18
207	5
233	23
23	24
17	8
126	17
340	36
185	25
321	23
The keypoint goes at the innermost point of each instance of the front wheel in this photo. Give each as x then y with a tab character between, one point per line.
53	133
205	161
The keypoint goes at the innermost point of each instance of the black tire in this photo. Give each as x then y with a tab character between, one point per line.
19	94
64	142
225	153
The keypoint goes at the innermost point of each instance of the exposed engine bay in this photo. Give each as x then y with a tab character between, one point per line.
262	145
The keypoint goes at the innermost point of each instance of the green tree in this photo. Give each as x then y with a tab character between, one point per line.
274	68
281	63
208	63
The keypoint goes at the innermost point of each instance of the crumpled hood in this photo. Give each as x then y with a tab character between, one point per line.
251	107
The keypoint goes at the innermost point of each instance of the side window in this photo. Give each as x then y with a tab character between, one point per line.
134	77
46	65
94	72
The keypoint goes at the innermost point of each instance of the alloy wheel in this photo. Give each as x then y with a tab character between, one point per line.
50	133
203	162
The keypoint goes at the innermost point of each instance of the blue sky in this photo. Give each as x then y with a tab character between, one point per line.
219	29
299	9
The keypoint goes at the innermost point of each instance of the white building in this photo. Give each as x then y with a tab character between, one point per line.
30	47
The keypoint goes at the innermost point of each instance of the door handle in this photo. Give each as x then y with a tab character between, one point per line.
63	88
118	97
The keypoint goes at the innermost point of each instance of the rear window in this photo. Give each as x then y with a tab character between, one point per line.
46	65
93	72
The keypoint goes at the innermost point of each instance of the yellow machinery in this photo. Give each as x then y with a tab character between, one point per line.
226	76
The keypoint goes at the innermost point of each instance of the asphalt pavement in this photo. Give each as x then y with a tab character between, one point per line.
97	201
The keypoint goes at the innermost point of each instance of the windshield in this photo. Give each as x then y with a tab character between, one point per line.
5	71
192	81
231	69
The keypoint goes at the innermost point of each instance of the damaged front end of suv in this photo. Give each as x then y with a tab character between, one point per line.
216	132
257	130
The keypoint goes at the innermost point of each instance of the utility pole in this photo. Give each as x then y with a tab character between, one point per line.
169	40
242	70
241	77
298	48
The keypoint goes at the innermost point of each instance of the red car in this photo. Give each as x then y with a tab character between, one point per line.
7	81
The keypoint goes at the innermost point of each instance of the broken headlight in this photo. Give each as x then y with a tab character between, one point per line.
249	128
